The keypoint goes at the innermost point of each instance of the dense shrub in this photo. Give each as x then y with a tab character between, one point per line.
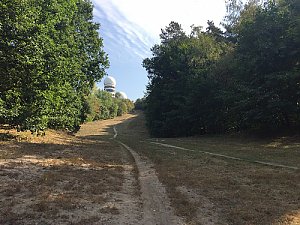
101	105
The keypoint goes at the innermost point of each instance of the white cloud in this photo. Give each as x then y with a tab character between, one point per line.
152	15
136	24
118	30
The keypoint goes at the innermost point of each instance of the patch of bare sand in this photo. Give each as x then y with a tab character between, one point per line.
292	218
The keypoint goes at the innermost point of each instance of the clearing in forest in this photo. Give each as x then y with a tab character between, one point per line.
93	178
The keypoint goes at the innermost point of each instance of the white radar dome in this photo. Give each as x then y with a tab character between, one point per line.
109	81
123	95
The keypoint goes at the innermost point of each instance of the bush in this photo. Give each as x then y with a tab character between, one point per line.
100	105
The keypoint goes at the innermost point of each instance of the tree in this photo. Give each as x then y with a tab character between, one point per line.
178	70
267	66
140	104
215	82
51	55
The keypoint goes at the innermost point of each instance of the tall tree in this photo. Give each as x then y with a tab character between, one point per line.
178	73
51	55
245	78
268	65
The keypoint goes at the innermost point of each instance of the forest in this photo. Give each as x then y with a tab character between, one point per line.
51	56
243	76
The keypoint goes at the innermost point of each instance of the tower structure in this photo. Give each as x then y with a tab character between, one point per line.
110	85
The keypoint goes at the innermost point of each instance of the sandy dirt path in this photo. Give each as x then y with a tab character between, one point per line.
156	209
156	205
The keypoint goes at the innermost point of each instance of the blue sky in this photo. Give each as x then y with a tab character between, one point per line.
129	29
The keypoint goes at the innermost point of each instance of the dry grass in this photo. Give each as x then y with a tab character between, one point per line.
80	179
61	177
212	190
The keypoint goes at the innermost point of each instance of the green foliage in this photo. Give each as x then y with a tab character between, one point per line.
50	58
122	107
140	104
101	105
268	67
179	72
129	105
213	82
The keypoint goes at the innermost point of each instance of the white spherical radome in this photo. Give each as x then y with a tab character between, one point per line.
110	81
123	95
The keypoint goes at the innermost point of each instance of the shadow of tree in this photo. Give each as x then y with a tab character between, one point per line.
7	137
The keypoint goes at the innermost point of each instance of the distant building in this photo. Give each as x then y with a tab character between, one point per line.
110	85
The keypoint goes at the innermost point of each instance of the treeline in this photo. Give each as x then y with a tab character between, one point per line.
140	104
245	76
100	105
51	55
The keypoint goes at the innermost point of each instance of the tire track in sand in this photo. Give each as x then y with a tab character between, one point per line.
156	204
